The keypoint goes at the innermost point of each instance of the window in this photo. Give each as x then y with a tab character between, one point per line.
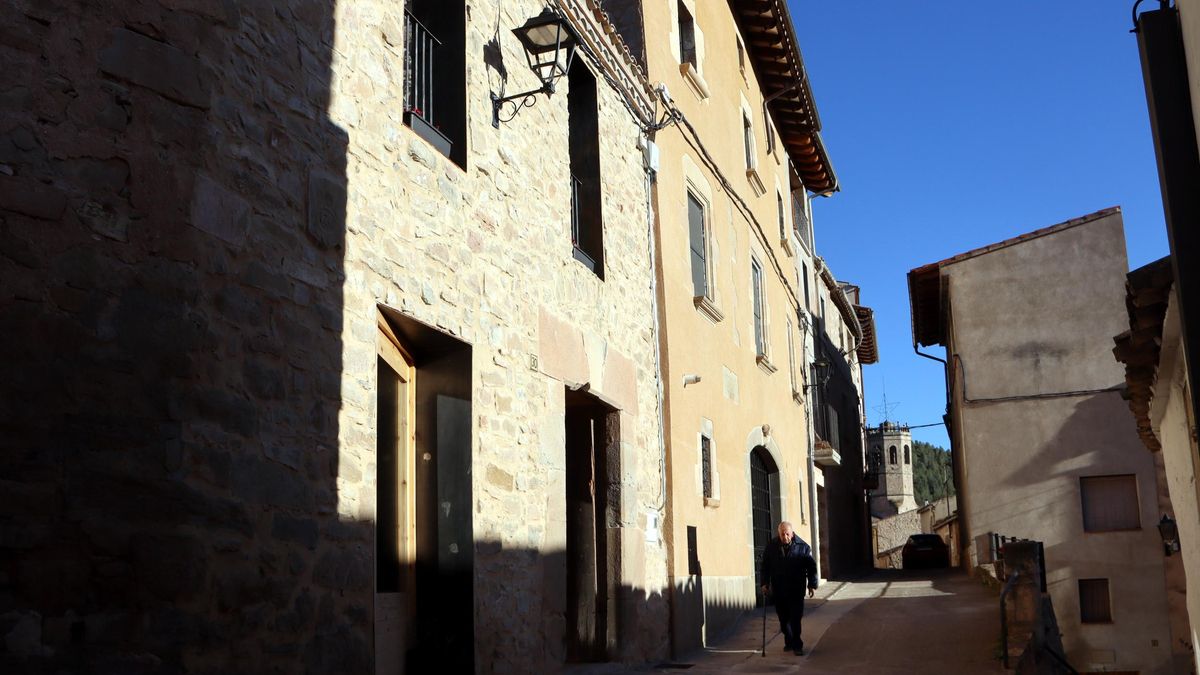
687	37
1094	606
693	551
832	427
770	129
802	217
791	348
1109	503
741	50
698	243
748	141
804	270
587	228
892	455
760	336
706	480
783	232
907	458
435	74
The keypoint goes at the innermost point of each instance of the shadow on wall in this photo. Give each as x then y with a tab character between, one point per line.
172	231
705	615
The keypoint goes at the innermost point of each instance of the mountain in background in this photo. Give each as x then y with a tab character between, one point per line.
933	476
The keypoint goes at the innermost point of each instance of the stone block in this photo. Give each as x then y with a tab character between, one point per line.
560	349
343	569
169	567
299	530
156	66
219	211
263	482
31	198
620	380
326	208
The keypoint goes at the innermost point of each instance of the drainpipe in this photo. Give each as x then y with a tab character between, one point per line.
805	326
663	508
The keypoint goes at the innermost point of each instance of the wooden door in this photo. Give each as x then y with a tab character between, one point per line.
395	526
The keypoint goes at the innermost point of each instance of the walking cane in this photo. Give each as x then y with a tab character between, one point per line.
764	641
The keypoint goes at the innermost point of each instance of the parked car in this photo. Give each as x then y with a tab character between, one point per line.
925	550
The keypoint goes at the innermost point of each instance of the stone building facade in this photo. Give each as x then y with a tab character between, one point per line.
890	448
234	281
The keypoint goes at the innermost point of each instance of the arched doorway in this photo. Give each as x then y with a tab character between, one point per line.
765	506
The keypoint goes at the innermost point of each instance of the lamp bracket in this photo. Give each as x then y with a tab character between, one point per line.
525	99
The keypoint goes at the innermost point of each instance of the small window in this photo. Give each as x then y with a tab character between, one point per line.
802	217
791	347
892	455
741	50
907	458
760	333
587	227
748	141
1094	605
1110	503
693	551
706	480
783	232
804	270
698	243
687	37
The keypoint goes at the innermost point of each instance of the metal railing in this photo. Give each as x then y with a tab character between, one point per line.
800	220
576	186
420	50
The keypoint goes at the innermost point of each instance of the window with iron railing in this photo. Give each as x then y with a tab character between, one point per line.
435	74
587	225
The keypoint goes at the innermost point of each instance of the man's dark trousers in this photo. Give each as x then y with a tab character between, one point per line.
789	607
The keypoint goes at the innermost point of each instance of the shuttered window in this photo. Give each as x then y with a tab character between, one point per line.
760	338
706	466
698	238
1109	503
1094	604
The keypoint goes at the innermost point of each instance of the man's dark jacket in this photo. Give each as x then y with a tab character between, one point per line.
788	566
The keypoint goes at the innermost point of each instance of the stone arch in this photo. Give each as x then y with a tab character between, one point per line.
892	455
764	451
907	456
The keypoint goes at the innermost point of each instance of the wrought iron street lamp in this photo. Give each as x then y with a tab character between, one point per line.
822	369
1169	531
549	46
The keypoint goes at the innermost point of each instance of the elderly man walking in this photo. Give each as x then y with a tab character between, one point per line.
787	564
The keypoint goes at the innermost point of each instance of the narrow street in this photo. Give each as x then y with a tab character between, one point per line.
892	622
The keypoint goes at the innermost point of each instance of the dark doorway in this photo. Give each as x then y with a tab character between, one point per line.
764	506
592	482
424	531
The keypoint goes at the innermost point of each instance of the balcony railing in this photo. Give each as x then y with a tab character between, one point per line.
421	49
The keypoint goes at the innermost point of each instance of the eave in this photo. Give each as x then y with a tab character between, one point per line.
770	39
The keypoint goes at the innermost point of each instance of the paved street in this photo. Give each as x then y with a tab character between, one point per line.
892	622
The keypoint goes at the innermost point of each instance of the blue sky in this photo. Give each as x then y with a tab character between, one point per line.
955	125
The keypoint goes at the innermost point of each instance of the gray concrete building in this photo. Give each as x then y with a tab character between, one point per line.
1041	441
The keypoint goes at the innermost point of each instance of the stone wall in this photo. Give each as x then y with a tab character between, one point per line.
203	204
890	536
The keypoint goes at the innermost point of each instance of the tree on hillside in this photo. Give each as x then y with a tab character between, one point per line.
933	477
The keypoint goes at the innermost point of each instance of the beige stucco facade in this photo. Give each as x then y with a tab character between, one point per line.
1036	408
741	402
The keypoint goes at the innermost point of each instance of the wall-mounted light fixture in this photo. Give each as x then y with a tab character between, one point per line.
1169	531
549	48
822	369
690	379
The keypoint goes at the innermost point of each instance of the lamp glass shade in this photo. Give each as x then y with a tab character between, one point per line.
1167	529
545	32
